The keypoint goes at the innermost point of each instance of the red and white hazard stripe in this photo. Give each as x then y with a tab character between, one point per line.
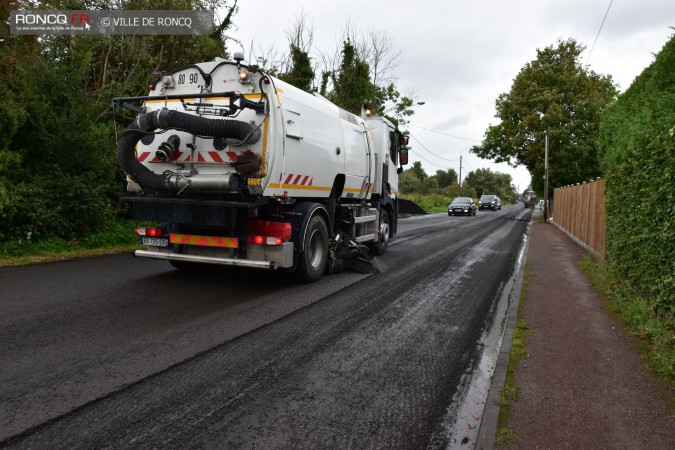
184	157
292	179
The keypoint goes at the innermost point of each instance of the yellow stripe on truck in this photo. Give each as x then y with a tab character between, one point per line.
204	241
300	186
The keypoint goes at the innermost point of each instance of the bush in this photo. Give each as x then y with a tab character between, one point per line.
637	141
61	205
114	236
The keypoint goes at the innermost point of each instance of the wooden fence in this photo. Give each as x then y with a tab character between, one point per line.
580	212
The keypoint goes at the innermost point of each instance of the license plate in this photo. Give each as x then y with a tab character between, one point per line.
157	242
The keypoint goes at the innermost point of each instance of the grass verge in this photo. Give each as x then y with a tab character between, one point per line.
518	352
429	202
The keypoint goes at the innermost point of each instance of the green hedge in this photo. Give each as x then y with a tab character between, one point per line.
637	144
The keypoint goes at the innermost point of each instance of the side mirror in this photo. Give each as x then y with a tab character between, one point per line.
403	140
403	155
399	170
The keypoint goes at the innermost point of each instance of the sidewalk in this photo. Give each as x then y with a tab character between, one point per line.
583	384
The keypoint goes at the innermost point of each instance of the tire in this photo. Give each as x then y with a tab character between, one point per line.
385	231
314	256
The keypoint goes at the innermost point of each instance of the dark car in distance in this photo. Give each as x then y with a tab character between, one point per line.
462	205
488	201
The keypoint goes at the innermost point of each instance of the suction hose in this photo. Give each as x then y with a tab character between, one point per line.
167	119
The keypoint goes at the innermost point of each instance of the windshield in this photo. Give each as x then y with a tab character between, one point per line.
487	198
461	201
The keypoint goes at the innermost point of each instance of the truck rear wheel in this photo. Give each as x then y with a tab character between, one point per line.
313	259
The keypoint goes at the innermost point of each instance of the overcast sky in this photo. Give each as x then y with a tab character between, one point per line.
458	56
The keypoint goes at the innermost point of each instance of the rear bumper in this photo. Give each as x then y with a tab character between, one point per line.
206	259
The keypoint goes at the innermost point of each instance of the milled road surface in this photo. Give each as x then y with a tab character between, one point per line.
123	352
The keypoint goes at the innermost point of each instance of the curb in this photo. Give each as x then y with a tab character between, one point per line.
488	426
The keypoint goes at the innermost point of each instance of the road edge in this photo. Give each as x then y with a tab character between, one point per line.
489	422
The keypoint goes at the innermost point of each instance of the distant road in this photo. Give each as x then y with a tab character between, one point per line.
121	352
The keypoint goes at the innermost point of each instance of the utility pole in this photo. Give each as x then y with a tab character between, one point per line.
546	177
460	175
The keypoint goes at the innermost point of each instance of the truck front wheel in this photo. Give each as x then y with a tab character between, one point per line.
312	262
385	230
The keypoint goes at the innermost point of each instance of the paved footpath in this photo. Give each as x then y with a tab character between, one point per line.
583	384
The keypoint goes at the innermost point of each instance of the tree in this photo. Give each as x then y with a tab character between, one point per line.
418	171
486	181
352	85
409	183
300	72
373	54
415	180
555	93
14	51
445	178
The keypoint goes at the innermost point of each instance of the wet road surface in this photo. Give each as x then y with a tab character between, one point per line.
123	352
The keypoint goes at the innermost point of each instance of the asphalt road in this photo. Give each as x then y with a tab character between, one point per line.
122	352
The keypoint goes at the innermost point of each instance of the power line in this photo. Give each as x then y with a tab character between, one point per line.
597	35
445	134
466	162
422	145
463	161
429	162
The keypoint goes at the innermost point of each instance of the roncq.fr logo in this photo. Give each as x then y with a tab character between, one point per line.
51	19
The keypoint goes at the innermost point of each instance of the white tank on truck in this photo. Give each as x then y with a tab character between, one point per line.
240	168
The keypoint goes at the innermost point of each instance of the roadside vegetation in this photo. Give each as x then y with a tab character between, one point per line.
433	193
637	315
637	149
114	238
430	202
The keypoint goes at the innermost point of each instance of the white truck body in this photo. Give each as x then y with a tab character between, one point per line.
275	155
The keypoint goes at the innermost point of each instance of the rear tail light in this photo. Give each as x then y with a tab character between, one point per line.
149	231
264	240
264	232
